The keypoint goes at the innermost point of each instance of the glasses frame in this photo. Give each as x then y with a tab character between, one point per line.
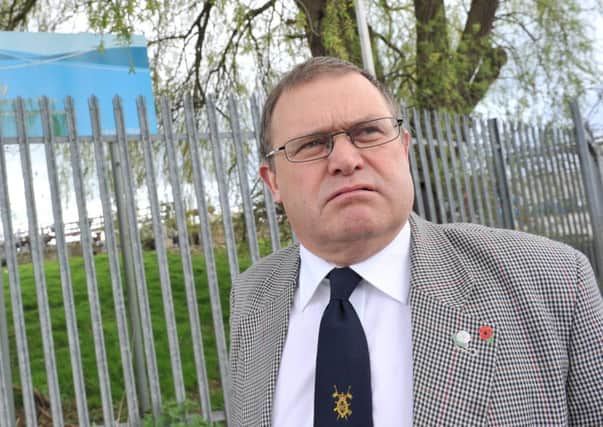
332	136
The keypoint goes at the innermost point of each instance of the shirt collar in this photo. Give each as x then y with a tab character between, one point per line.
388	270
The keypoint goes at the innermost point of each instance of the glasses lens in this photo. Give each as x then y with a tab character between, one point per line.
364	135
375	132
308	147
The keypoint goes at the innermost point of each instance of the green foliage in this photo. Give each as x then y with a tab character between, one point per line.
119	16
339	35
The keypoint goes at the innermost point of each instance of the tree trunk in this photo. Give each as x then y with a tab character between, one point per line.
479	61
432	45
331	28
457	80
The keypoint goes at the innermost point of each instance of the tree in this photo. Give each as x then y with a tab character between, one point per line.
14	14
458	78
38	15
430	53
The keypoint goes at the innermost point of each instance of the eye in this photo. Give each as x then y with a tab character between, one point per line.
312	144
369	129
315	143
367	132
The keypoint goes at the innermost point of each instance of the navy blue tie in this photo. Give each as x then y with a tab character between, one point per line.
342	393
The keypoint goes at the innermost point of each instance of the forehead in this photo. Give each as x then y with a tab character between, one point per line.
324	103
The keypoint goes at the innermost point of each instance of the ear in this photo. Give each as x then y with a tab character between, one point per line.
269	177
405	141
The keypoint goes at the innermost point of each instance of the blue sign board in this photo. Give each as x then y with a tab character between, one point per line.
77	65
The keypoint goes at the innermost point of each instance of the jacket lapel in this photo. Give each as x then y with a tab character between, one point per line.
264	329
451	384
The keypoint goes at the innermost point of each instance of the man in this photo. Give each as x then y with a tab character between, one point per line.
442	325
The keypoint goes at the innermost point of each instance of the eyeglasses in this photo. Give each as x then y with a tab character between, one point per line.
367	134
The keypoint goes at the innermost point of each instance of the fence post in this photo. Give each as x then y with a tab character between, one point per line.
142	385
273	225
598	148
7	403
221	178
237	139
502	184
10	255
592	187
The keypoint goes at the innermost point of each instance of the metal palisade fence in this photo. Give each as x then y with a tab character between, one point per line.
98	319
541	180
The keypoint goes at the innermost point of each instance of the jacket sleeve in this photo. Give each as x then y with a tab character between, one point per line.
234	409
585	373
233	325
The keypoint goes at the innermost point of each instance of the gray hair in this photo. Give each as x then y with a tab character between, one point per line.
305	72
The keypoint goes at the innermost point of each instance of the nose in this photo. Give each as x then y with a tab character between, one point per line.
345	157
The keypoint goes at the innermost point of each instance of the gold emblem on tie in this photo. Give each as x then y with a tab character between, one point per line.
342	403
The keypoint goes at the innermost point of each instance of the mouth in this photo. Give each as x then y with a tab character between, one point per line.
348	190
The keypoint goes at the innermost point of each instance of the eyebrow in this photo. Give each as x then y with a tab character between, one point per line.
346	125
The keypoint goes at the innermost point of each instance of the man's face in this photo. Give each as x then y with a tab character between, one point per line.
350	205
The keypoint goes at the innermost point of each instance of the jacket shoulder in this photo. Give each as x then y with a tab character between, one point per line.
267	265
510	262
265	280
509	245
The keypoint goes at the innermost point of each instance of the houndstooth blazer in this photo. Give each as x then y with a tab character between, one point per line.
543	364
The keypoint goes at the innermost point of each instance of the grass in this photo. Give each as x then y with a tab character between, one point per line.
84	323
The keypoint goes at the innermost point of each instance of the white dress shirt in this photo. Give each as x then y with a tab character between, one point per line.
381	302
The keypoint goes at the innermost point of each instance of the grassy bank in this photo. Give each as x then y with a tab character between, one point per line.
82	307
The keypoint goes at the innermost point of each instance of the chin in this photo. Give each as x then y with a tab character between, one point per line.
359	229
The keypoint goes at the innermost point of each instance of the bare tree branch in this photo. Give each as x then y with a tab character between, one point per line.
17	14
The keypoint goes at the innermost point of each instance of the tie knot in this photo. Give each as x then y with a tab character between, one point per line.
343	282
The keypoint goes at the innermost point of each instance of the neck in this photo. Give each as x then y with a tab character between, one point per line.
348	252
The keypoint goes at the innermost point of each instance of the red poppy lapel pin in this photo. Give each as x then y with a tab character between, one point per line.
486	334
